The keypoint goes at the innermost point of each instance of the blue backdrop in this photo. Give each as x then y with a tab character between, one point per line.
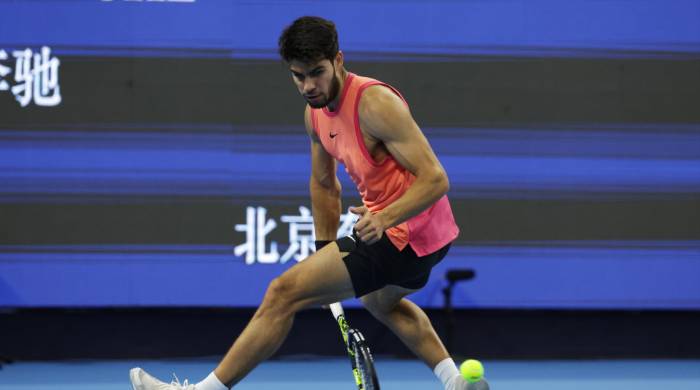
100	163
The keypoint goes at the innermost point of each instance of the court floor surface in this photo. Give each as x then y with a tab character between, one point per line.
315	373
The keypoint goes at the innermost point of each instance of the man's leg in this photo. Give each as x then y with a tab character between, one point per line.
320	279
408	321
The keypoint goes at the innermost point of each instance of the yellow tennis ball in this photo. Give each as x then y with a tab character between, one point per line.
471	370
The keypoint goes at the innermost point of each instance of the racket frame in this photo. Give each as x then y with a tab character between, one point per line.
354	343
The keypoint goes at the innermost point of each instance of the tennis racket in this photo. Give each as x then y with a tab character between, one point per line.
360	356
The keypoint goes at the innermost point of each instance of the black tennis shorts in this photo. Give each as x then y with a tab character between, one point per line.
375	266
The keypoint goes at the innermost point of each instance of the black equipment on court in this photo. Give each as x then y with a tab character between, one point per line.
453	276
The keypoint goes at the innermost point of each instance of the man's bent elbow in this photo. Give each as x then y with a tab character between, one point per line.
443	183
446	184
440	183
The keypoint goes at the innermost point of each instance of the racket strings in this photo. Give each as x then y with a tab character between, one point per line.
363	362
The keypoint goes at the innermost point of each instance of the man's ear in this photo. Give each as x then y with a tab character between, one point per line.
339	60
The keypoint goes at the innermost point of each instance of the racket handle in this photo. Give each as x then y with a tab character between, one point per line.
337	310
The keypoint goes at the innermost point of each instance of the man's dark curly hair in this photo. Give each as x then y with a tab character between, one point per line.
309	39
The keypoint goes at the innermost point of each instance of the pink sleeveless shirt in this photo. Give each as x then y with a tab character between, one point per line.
380	184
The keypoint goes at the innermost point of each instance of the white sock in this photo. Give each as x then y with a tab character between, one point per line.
211	382
447	372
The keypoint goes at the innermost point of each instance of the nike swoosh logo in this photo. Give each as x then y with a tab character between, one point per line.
333	135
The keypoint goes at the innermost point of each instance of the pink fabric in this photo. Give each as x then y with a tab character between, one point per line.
380	184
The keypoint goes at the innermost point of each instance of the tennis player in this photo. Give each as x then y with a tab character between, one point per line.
405	225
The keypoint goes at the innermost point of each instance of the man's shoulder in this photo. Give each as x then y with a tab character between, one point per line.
376	99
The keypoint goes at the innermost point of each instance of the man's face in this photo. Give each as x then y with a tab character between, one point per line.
317	82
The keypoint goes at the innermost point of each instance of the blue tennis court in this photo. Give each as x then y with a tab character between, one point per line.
315	373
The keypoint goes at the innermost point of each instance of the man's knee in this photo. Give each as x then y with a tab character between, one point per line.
392	311
380	309
281	295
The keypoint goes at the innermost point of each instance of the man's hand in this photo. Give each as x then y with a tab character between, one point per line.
370	227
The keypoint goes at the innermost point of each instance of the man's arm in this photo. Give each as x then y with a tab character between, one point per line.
324	187
384	116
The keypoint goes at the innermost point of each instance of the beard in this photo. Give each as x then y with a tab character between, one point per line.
332	94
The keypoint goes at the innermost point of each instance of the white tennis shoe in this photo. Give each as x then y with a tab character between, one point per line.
462	384
141	380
